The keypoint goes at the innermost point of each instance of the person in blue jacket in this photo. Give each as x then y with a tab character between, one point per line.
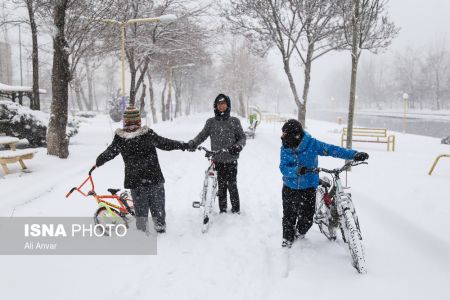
300	150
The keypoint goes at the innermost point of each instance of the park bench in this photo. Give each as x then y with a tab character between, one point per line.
273	117
370	135
14	156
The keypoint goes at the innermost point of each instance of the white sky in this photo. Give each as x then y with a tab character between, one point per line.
421	22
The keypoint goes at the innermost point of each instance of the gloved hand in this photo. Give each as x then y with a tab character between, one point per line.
361	156
190	146
301	170
185	146
235	149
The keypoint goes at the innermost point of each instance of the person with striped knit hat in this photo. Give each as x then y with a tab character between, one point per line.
137	144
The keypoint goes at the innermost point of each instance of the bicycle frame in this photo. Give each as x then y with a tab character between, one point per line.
209	191
102	200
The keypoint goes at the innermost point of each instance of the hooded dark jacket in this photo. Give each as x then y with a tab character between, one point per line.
224	132
139	155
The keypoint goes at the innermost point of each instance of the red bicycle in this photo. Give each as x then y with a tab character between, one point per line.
113	209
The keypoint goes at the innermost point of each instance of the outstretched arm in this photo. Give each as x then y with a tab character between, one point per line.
165	143
110	152
202	136
325	149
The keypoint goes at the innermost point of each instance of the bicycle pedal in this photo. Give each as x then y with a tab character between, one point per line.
196	204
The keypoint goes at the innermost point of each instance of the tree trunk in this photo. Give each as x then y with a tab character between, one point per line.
142	102
57	140
89	75
77	87
35	101
177	102
355	58
163	105
306	84
152	97
169	102
132	82
241	105
300	106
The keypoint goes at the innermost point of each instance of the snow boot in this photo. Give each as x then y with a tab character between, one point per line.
286	244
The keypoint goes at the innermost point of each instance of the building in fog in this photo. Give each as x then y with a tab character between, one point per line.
5	63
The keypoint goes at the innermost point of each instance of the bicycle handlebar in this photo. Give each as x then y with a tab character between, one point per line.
92	169
210	153
346	166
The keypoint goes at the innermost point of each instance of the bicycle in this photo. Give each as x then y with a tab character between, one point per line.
210	188
108	212
334	208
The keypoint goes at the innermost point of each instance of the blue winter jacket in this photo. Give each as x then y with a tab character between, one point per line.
305	155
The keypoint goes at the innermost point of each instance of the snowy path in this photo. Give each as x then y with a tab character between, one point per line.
403	214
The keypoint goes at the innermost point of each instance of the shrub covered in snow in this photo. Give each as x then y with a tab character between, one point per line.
20	121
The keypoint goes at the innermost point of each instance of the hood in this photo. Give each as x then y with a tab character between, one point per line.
226	114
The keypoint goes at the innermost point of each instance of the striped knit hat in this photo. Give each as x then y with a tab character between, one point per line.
131	116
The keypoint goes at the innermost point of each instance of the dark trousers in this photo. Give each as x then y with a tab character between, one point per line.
149	197
226	175
298	211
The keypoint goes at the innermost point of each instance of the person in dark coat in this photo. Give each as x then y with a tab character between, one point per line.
143	175
225	133
300	150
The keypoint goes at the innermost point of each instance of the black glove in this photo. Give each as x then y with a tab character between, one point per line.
190	146
301	170
235	149
361	156
185	146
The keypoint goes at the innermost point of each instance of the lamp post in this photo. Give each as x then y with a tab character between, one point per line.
123	25
405	107
169	96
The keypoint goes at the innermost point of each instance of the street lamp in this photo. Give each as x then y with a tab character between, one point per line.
405	107
169	96
123	25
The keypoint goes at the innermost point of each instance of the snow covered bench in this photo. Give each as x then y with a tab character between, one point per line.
10	141
13	156
369	135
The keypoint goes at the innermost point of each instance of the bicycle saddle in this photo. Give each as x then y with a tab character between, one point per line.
324	183
113	191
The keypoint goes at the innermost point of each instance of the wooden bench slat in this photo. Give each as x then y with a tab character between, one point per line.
379	135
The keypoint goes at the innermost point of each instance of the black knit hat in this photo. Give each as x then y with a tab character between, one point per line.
132	116
292	127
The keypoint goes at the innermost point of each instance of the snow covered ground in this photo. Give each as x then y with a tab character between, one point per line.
404	215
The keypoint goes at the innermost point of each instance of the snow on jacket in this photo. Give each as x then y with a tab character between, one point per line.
223	133
306	155
139	155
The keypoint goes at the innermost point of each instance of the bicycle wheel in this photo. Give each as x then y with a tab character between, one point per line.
353	237
109	220
210	195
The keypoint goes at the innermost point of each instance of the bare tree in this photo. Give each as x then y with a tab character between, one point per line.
407	75
437	67
366	26
240	72
73	24
319	23
266	23
32	6
57	141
